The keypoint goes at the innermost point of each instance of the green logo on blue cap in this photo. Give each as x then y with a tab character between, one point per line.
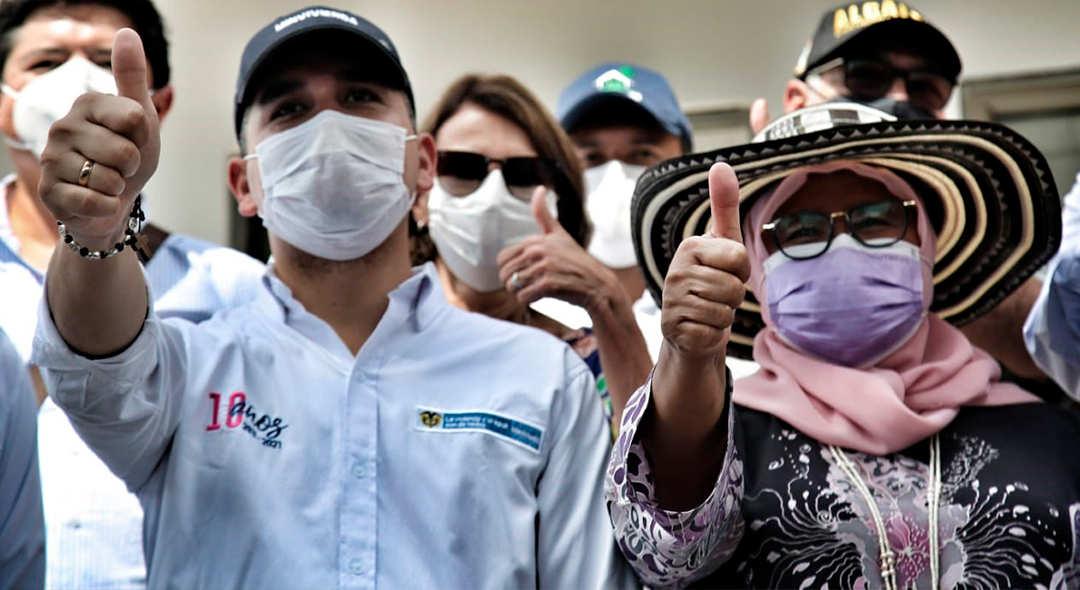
620	81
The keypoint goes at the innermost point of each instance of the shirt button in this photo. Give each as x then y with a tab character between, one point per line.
356	567
358	470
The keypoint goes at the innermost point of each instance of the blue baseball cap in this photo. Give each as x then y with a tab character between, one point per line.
620	82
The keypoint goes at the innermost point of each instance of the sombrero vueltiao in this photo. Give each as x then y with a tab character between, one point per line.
988	193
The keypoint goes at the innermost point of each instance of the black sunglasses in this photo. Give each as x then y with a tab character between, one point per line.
871	79
461	173
802	236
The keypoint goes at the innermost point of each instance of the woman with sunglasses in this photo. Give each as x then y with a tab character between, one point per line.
876	447
505	225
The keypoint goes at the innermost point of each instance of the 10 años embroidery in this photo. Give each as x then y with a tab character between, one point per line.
263	427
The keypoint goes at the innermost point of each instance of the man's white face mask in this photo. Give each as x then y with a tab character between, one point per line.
470	231
47	98
333	185
610	192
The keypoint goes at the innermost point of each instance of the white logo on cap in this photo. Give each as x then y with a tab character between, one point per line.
618	82
314	13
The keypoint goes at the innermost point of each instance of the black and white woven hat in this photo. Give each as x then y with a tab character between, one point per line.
988	194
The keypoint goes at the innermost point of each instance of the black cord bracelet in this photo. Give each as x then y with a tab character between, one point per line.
132	233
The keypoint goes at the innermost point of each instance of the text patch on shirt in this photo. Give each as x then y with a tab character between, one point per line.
502	426
240	412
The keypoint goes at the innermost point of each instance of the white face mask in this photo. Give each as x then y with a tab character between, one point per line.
47	98
470	231
610	192
333	185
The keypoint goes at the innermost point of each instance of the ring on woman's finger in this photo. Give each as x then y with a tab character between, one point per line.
84	174
515	281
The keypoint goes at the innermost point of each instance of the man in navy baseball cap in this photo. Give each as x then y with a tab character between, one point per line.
622	118
374	51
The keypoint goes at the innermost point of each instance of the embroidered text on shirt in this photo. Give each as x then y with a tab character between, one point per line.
263	428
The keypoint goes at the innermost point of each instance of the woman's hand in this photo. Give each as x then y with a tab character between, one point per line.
703	287
553	264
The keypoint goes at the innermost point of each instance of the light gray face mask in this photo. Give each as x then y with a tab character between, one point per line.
470	231
610	193
47	98
333	185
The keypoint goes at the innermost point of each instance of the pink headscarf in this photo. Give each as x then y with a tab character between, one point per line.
911	394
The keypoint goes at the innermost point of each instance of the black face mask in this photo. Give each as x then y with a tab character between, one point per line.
901	109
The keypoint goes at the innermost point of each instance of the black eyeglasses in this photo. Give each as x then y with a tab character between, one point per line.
461	173
802	236
871	79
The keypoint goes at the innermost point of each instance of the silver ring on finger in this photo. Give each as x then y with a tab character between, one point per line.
515	281
84	174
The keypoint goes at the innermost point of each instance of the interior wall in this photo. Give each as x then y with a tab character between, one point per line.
712	51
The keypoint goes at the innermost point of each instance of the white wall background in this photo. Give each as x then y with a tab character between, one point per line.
711	50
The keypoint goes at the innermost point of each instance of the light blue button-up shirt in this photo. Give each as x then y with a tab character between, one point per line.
94	524
1052	329
22	528
454	451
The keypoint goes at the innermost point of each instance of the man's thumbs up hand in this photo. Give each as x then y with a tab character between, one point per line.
705	282
100	156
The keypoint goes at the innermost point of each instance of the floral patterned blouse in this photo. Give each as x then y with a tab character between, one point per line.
782	514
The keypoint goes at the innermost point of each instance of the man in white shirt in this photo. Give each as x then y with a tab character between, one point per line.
52	51
347	428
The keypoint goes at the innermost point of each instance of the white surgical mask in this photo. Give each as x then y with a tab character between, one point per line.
332	185
47	98
610	192
470	231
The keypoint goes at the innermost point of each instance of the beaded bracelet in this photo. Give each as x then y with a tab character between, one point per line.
132	237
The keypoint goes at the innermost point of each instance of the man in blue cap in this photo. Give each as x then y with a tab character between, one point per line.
347	427
622	118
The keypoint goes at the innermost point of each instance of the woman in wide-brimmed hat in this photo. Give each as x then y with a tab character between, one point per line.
876	447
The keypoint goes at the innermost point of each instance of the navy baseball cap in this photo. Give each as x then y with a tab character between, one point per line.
620	82
845	27
309	20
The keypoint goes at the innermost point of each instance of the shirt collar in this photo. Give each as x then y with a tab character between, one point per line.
420	297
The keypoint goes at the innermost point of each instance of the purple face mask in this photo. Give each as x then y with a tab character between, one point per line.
852	305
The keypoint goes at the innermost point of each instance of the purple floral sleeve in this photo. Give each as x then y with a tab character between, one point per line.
671	549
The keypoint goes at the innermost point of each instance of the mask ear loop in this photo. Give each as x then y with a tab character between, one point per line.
11	141
413	193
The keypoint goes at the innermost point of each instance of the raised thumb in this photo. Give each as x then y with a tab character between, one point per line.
129	68
540	211
724	202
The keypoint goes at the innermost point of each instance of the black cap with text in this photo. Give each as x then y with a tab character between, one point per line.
895	22
306	20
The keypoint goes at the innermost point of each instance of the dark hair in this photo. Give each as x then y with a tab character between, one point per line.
144	19
506	97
